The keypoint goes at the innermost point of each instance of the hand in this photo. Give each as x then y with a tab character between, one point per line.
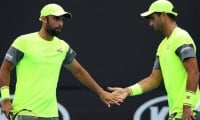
122	93
6	107
109	98
187	113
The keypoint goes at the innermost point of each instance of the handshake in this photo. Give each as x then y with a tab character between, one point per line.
116	95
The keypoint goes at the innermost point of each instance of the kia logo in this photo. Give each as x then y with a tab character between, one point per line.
155	111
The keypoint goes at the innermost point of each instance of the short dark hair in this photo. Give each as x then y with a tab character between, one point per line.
171	16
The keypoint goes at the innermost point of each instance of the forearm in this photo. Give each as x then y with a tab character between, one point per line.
5	71
4	78
86	79
6	104
147	84
192	81
142	86
4	84
191	87
192	69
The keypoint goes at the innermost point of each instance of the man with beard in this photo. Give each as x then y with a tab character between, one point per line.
175	64
38	58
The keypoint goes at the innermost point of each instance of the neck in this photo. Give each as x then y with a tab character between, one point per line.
42	33
169	28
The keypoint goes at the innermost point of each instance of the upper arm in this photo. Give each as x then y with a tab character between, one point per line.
191	64
156	75
70	62
71	54
191	67
186	51
187	54
7	66
14	55
74	66
156	65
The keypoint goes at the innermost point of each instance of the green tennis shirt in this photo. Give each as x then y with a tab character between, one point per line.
38	64
173	71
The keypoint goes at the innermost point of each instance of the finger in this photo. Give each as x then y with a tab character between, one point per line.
193	118
108	104
4	113
7	114
111	101
118	99
111	88
116	102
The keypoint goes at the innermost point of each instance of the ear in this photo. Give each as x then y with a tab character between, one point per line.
43	19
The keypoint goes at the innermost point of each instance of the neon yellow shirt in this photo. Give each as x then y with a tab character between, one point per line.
173	71
38	73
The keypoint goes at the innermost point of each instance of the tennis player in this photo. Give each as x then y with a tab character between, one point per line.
175	63
38	58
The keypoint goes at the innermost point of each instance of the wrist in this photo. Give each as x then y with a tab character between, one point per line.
126	91
189	97
135	89
100	91
5	93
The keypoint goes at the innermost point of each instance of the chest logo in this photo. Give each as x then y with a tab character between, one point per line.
60	50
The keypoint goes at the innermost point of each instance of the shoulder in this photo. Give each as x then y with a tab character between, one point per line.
181	37
182	34
61	42
28	36
23	40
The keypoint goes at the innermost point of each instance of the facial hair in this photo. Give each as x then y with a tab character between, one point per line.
50	30
159	27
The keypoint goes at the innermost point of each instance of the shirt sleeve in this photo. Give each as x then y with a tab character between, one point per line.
14	55
185	51
156	65
71	54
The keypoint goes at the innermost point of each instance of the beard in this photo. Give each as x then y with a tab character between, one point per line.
159	27
52	31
